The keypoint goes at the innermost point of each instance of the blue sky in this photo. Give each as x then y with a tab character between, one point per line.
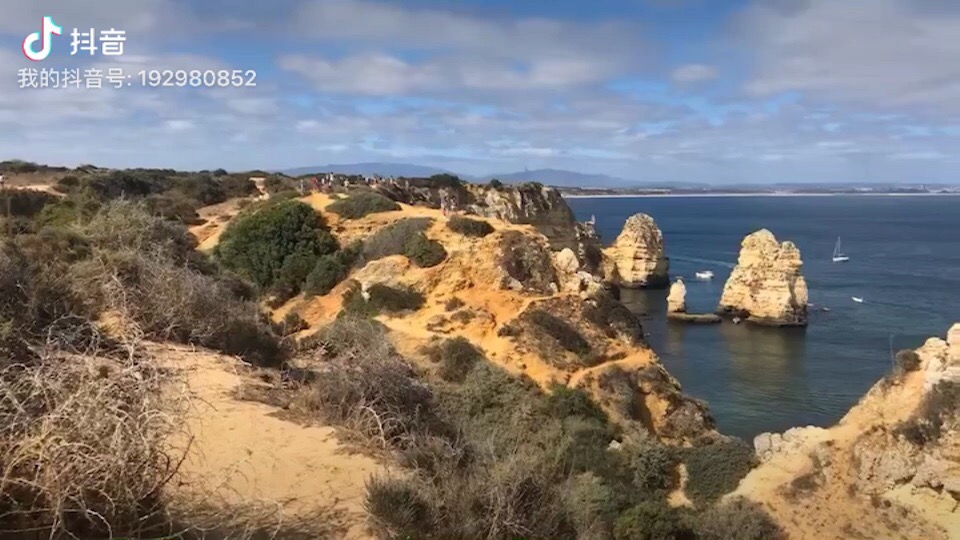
658	90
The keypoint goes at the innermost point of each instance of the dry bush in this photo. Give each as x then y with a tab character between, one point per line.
83	445
562	332
405	237
527	261
737	519
173	302
365	387
456	357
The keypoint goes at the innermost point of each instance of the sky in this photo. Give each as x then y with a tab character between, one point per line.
718	91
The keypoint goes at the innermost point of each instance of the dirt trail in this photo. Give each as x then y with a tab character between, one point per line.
242	453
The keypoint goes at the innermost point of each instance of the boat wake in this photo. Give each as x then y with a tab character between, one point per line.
702	261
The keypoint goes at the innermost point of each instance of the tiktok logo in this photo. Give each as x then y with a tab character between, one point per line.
47	30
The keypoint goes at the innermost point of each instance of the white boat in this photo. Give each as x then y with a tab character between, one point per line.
706	274
838	255
857	299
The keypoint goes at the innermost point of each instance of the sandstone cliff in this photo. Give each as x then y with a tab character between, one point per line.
527	203
766	286
677	299
636	256
531	310
889	469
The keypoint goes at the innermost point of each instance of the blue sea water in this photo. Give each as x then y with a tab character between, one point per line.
905	264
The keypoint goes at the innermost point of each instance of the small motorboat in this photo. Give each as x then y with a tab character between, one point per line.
736	320
824	309
857	299
704	275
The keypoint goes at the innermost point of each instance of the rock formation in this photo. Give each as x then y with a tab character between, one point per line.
528	203
677	299
677	307
636	256
766	286
889	469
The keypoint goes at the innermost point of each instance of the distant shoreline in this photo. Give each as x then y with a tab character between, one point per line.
759	194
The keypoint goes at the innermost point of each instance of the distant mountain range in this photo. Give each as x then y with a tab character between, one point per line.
551	177
562	178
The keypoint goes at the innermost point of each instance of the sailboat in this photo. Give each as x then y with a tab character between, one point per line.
838	256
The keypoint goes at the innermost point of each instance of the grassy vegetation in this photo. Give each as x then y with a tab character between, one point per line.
716	469
405	237
379	298
527	262
562	332
362	203
469	227
456	357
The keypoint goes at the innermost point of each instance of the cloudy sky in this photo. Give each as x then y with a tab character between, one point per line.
650	90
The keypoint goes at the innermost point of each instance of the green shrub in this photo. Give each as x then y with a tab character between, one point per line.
397	508
76	208
174	206
738	519
469	227
651	465
453	303
261	244
456	357
495	184
613	318
423	251
393	299
330	270
361	204
381	298
563	402
592	506
651	521
392	239
939	407
291	324
907	361
715	469
565	335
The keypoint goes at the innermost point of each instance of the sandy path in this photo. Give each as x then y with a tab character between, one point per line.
242	453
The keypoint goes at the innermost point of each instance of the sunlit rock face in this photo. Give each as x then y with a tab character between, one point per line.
636	256
766	286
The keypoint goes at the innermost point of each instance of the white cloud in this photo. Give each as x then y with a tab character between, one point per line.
886	53
694	73
179	125
457	51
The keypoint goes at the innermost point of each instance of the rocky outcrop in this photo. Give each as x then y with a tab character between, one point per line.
636	256
572	278
889	469
766	286
677	299
528	203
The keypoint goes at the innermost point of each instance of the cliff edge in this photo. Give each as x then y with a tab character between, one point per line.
889	469
766	286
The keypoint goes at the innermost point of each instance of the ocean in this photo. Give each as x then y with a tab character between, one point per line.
904	262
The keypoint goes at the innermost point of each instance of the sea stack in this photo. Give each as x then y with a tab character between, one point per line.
636	256
766	286
677	299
